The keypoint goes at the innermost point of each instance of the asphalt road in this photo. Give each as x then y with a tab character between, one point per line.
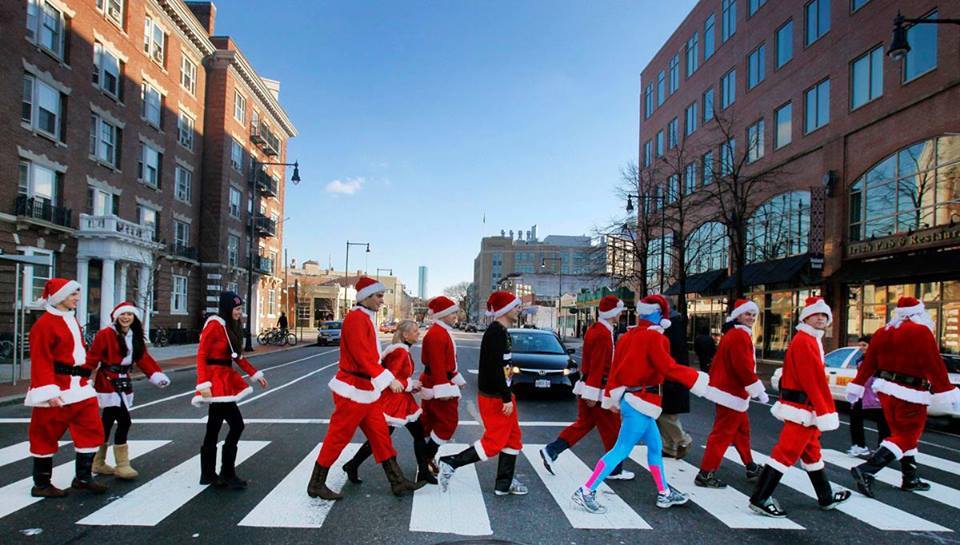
286	423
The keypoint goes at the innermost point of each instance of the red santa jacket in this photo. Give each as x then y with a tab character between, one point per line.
596	361
804	372
733	372
360	376
56	338
908	349
440	377
225	383
642	360
105	352
399	408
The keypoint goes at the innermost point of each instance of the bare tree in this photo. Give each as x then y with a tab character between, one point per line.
461	293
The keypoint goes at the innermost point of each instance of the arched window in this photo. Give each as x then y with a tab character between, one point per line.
707	248
779	228
915	188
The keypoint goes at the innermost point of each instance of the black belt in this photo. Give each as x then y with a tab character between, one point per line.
603	381
426	369
794	396
224	363
905	380
119	369
658	389
122	385
72	370
358	375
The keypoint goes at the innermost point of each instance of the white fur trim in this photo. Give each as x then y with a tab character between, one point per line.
446	390
256	376
478	446
395	422
38	397
459	380
727	399
589	392
749	306
425	393
791	413
644	309
945	398
911	452
158	379
643	406
204	385
820	307
855	389
395	346
699	387
64	292
810	330
125	308
827	422
436	438
76	395
815	466
665	323
779	466
892	447
506	308
508	356
508	450
86	450
112	399
445	312
199	400
899	391
382	380
917	314
35	455
351	392
614	312
578	388
613	400
755	389
376	287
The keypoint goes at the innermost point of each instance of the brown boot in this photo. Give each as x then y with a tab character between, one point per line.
84	479
42	472
399	484
317	487
100	465
123	469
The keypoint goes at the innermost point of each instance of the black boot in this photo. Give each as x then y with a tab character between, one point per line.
228	471
550	452
449	464
317	487
84	478
506	484
208	466
761	500
826	497
423	462
42	472
430	452
911	476
864	473
753	472
399	484
352	467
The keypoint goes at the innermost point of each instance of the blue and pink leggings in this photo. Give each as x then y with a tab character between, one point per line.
635	427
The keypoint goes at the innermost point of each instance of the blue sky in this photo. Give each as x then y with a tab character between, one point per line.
418	118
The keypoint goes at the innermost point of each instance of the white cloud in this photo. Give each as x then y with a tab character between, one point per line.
348	186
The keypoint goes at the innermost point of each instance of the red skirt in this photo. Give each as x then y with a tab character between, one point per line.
226	385
399	409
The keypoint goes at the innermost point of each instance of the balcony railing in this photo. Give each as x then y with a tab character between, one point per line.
264	265
181	250
112	225
266	184
40	208
262	136
266	227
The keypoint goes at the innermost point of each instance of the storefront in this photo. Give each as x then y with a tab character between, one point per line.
587	304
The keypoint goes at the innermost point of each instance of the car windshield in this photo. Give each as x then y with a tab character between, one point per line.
838	356
330	325
536	343
953	363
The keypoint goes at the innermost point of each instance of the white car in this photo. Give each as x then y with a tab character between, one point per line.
842	366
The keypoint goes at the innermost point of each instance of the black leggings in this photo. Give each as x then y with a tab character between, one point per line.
220	412
857	415
120	415
419	445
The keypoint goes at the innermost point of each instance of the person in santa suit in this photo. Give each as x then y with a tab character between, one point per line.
806	409
733	381
220	387
635	389
356	388
909	374
497	404
114	351
441	381
594	370
61	392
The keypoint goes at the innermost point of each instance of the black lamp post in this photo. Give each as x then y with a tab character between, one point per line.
899	46
346	272
663	225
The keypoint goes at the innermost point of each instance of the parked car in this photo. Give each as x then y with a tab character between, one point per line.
329	333
540	360
841	368
388	327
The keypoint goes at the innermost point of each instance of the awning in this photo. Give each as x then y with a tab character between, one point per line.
908	267
704	282
778	271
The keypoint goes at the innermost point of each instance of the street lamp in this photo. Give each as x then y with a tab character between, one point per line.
543	265
663	225
899	46
384	270
254	210
346	271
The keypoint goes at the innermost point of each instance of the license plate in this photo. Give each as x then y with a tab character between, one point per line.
542	383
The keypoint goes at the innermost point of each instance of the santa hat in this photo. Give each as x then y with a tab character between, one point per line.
655	303
816	305
610	307
501	302
442	306
742	306
367	286
910	308
125	306
58	289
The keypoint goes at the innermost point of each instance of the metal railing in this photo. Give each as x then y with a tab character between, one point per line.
264	265
266	227
181	250
261	135
42	209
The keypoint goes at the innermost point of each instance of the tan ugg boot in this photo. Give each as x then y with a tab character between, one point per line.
123	471
100	466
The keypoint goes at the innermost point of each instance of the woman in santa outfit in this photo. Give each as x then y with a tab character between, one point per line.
909	375
399	409
441	381
61	392
806	409
635	389
733	381
115	349
220	387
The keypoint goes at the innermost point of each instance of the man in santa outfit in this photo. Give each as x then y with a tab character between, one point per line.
501	434
594	370
61	392
806	409
356	392
733	381
440	380
909	375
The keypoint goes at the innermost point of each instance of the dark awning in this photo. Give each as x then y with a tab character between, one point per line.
903	267
778	271
699	283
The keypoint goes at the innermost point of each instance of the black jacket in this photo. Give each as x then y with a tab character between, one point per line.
676	398
705	348
494	361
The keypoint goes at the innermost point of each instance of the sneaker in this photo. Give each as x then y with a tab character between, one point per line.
753	472
769	508
670	498
624	475
547	460
588	500
708	480
516	489
857	451
445	474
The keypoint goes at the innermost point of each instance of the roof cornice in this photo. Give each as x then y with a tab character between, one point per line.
239	62
188	23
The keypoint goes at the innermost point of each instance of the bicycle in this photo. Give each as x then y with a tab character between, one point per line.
272	336
160	337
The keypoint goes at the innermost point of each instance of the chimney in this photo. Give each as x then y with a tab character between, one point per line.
273	86
206	13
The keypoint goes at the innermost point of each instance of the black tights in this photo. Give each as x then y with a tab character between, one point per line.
220	412
419	446
120	415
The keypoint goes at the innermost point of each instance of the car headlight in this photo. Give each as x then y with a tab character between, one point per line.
569	371
515	370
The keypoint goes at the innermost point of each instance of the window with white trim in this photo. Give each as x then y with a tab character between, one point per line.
107	70
102	203
184	184
46	27
239	107
148	168
233	250
185	130
37	275
181	234
113	9
236	155
188	75
42	106
234	203
38	181
755	141
178	295
150	218
152	104
271	302
154	41
104	141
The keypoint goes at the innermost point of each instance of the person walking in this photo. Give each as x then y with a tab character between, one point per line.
676	398
705	348
282	323
868	407
441	380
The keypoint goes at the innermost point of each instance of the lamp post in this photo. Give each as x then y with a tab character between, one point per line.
899	46
543	265
663	225
346	272
254	210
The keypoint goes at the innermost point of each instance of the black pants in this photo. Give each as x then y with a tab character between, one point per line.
120	415
416	432
220	412
857	415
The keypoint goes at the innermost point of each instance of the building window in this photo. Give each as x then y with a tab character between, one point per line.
185	130
818	20
648	153
754	5
113	9
922	56
181	234
188	75
38	182
784	120
690	178
42	106
36	276
104	141
756	66
866	78
154	41
728	19
236	155
46	26
728	89
239	107
178	295
648	101
271	302
148	169
661	90
234	206
149	218
707	248
755	141
690	119
672	134
779	227
708	105
817	105
107	70
102	203
184	189
674	73
659	143
152	108
785	43
857	4
693	54
728	152
659	261
709	37
707	166
673	188
233	250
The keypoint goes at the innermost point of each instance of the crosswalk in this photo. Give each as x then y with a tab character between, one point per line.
465	509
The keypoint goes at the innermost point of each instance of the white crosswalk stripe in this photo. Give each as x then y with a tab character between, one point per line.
17	452
938	492
460	510
938	463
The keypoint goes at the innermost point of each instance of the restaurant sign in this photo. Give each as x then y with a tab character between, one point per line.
906	241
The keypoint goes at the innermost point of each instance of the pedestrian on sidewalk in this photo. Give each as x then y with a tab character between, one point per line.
594	371
635	389
441	380
356	388
676	398
61	393
282	323
705	348
867	407
909	374
220	387
114	351
806	409
498	405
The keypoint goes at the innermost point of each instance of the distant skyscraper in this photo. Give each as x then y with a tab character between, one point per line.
422	283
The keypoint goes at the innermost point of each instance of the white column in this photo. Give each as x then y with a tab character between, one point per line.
108	285
144	297
83	277
120	294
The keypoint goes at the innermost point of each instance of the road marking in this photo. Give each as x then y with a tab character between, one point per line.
290	383
571	472
164	494
873	512
17	452
460	510
938	492
289	506
938	463
16	496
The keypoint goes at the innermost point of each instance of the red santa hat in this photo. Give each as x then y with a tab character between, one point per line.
501	302
610	307
742	306
125	306
58	289
655	303
816	305
442	306
367	286
910	308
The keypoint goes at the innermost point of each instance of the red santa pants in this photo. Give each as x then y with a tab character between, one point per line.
48	424
729	426
501	433
440	418
347	416
606	422
797	442
906	421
